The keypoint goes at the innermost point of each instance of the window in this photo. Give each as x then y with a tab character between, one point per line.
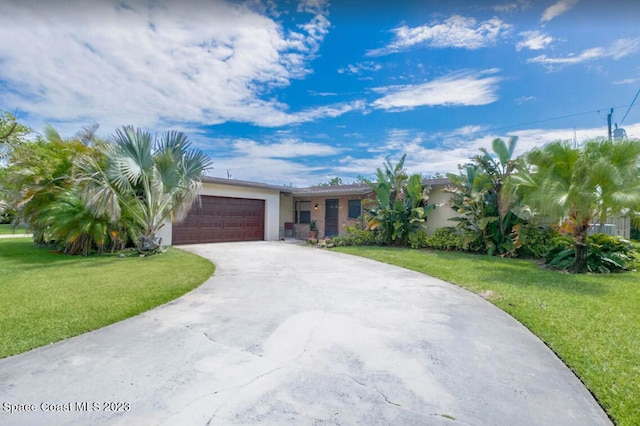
355	209
303	211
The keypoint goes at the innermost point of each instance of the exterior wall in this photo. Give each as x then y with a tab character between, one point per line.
271	213
302	230
286	211
439	218
621	226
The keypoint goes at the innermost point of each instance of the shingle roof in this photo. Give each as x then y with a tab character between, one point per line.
245	183
351	189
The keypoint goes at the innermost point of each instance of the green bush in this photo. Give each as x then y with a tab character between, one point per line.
418	239
533	241
356	237
605	254
446	239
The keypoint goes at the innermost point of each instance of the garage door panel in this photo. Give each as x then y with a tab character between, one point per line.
220	219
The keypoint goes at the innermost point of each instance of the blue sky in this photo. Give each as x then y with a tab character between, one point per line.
299	92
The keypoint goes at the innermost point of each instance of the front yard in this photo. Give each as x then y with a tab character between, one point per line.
46	297
7	229
591	321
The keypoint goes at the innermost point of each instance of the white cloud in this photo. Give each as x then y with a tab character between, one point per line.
280	162
454	89
267	170
427	153
586	55
523	99
360	67
534	40
623	47
286	148
617	50
443	152
512	7
152	63
557	9
626	81
456	31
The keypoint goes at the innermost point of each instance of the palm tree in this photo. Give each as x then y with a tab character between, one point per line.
153	180
581	185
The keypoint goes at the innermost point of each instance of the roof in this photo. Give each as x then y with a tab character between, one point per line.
245	183
352	189
337	190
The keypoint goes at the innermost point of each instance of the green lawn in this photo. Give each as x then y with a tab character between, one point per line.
8	229
46	297
591	321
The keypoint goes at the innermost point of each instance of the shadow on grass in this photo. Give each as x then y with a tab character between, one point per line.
534	275
476	269
27	254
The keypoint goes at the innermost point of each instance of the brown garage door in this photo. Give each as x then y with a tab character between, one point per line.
221	219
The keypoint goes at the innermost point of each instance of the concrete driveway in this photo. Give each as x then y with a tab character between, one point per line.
284	334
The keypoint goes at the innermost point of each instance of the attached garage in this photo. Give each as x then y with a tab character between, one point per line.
221	219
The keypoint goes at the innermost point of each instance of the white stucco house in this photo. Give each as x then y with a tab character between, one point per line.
235	210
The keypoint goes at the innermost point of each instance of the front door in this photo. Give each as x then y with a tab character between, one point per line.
331	218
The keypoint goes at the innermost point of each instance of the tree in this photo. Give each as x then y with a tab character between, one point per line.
39	186
581	185
400	206
12	133
154	179
483	207
336	181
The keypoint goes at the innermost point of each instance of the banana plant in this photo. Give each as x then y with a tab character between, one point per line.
401	204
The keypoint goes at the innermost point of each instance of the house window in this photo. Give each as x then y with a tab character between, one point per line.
303	211
355	209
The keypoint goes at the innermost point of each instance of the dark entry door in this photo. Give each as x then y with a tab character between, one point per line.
331	218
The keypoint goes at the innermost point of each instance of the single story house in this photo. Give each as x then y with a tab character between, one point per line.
235	210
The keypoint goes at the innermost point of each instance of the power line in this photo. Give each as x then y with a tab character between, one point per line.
543	120
632	102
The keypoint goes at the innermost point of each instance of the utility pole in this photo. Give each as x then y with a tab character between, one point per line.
609	122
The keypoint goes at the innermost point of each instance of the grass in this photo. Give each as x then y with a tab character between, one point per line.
8	229
46	297
591	321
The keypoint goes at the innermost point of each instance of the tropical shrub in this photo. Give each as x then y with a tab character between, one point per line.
38	173
400	207
356	237
418	239
533	241
581	186
448	238
605	254
483	208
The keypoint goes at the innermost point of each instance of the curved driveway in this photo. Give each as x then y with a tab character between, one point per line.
284	334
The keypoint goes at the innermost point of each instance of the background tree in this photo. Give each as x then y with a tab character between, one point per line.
12	133
336	181
154	179
581	185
